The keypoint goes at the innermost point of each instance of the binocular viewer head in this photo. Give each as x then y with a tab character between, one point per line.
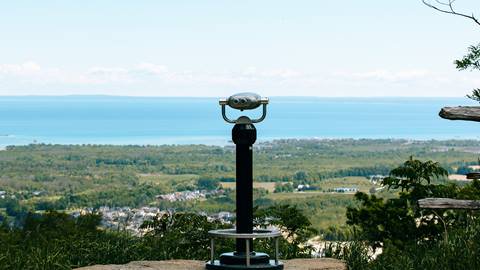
244	101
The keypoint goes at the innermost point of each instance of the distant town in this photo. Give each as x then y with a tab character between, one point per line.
130	219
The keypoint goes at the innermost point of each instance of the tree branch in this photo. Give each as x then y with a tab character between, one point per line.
451	10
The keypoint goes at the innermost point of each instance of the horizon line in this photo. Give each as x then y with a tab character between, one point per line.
281	96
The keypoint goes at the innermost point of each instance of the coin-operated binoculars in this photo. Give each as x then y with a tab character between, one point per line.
244	136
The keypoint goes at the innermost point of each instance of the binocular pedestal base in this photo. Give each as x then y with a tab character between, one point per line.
217	266
234	260
246	259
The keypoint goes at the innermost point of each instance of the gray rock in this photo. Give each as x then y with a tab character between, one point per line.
296	264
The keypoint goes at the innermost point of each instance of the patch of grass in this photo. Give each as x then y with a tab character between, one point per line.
167	180
270	186
361	183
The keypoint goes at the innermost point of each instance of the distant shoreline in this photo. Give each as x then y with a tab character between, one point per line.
260	142
139	96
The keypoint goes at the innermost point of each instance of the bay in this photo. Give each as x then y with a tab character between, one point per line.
158	120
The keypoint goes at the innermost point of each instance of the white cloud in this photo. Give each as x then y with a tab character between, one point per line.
152	69
27	68
253	72
154	79
387	75
107	75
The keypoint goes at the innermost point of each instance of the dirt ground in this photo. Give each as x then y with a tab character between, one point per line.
296	264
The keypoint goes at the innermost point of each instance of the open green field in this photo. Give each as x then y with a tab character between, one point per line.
74	176
162	178
361	183
270	186
167	180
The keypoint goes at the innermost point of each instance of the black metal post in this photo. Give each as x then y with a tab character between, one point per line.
244	136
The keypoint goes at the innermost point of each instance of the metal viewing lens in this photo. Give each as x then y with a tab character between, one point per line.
244	101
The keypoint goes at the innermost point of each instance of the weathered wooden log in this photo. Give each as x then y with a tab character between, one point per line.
446	203
468	113
473	175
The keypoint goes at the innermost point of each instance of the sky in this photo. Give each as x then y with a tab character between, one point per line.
209	48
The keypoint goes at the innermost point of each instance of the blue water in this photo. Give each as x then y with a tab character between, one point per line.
126	120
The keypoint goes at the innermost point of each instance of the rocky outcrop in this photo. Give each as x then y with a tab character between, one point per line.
296	264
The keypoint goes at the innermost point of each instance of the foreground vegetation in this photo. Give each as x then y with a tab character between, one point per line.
56	240
411	237
460	251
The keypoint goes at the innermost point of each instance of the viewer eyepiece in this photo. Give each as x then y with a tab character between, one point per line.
244	101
